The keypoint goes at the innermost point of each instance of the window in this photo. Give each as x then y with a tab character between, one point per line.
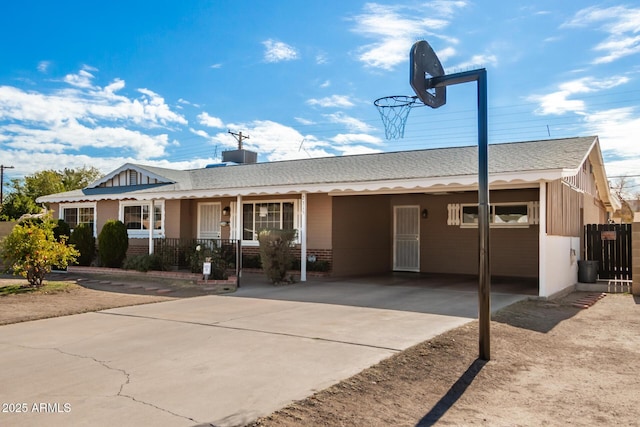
261	215
75	214
137	219
500	215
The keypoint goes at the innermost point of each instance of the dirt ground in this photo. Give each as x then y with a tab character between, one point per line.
551	364
75	299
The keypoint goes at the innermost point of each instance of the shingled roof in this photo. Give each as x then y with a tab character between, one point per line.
531	161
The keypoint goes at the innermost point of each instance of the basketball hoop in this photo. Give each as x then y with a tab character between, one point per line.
394	111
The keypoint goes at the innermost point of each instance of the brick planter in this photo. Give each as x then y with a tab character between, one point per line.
193	277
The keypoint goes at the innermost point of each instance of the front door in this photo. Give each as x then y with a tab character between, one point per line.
406	238
208	220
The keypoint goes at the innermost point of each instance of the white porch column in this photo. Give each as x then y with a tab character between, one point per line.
542	242
152	223
303	237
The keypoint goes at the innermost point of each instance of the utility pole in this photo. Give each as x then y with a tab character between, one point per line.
239	137
2	168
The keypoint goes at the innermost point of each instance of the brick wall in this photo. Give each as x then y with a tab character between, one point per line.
320	254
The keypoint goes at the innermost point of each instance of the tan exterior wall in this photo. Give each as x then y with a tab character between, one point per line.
361	235
594	210
106	210
319	221
172	218
454	249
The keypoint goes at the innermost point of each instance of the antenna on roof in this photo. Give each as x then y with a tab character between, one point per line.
302	148
239	137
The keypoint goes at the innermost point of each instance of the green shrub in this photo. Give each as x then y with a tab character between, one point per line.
82	239
31	250
275	253
144	263
61	229
208	252
113	243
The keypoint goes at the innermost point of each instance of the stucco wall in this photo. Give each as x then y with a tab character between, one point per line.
594	211
361	235
451	248
319	221
560	254
172	218
106	210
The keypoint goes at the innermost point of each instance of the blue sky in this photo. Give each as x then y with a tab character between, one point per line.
162	82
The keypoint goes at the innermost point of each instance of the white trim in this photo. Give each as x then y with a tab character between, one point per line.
492	222
142	233
416	185
542	243
303	237
63	206
296	218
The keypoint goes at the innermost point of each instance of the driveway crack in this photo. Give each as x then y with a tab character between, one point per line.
127	376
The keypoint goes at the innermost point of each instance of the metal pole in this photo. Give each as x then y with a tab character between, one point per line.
484	285
484	271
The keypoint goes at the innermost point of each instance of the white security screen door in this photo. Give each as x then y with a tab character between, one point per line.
208	220
406	238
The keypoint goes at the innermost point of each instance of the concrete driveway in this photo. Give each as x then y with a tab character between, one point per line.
217	360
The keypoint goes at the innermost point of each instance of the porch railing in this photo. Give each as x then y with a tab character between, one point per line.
176	252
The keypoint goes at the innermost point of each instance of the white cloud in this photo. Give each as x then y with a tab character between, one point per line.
618	130
353	124
82	78
396	27
621	23
477	61
215	66
213	122
559	103
278	51
325	84
349	138
305	122
43	66
352	150
85	116
332	101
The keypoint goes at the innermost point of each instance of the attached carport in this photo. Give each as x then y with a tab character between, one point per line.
367	235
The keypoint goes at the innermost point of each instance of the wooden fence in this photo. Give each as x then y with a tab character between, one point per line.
610	245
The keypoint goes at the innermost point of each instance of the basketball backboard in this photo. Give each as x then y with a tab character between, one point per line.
424	65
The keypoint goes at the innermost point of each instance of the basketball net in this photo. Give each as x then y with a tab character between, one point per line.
394	111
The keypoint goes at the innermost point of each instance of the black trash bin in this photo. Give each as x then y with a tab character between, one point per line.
587	271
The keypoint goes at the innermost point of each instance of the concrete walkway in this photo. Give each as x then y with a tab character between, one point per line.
216	360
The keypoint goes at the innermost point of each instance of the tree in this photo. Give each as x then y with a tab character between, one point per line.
24	192
31	250
622	187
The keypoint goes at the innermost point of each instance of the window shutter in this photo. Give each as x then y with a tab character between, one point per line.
453	217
